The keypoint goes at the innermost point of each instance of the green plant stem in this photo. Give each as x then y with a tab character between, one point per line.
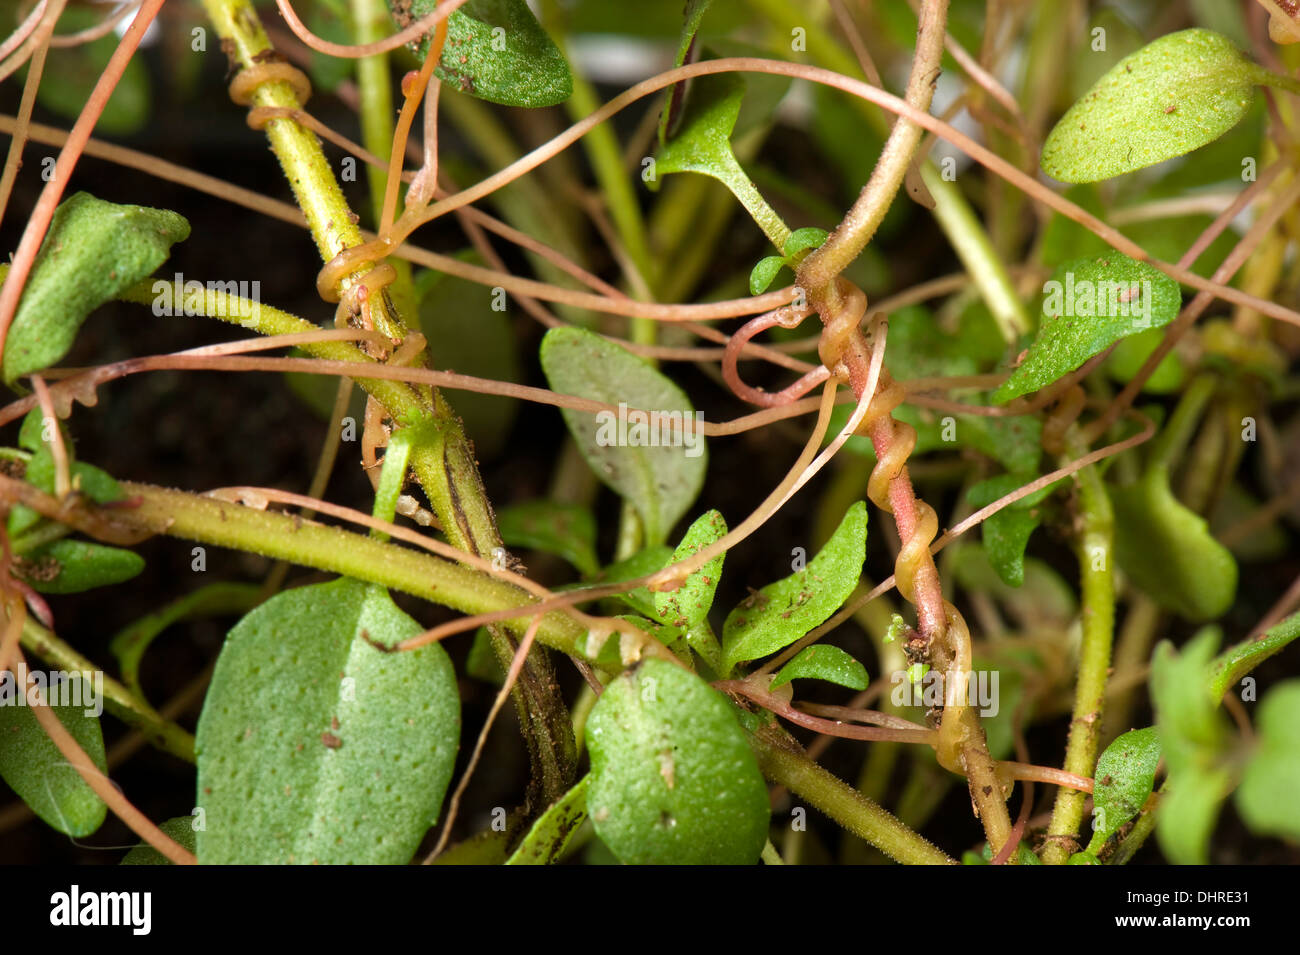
284	536
977	254
1132	650
818	271
314	186
1095	549
790	768
132	709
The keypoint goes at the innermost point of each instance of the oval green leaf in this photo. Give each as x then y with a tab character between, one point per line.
673	780
313	745
1088	305
784	611
33	766
656	464
93	250
1172	96
1125	776
71	566
824	662
495	50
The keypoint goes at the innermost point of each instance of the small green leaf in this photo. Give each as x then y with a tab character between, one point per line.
1006	533
481	662
495	50
656	464
1189	808
180	828
1083	858
1129	355
568	530
703	145
1125	776
689	604
673	780
784	611
97	484
1194	739
1088	305
1235	662
764	273
31	435
314	745
552	832
1266	798
330	20
1174	95
643	562
34	767
803	239
93	250
1168	551
822	661
71	566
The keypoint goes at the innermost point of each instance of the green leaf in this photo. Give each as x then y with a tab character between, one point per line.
31	435
568	530
481	662
803	239
1174	95
180	828
33	766
1125	776
1194	738
1235	662
552	832
93	250
1266	797
673	780
703	145
671	115
657	466
1167	550
689	604
495	50
643	562
330	20
1188	811
784	611
97	484
822	661
71	73
71	566
764	273
1006	533
471	330
313	745
1088	305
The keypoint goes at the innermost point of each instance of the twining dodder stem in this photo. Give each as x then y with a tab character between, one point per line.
846	352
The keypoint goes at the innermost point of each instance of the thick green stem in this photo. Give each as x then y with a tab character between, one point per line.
790	768
1095	549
